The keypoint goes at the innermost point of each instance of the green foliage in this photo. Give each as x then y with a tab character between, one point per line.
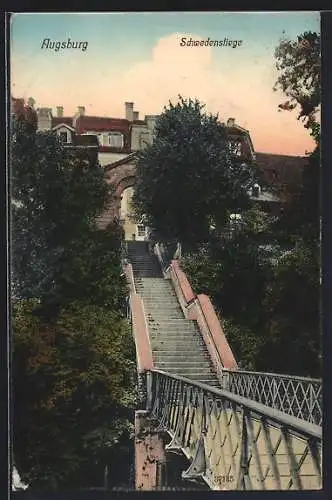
269	306
73	382
292	306
300	219
298	64
89	270
232	271
188	179
55	200
73	355
245	343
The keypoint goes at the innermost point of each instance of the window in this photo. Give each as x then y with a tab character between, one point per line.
115	140
140	230
101	139
144	139
256	191
235	148
63	136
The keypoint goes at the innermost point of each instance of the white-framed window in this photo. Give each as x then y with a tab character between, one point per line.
64	136
100	139
140	230
235	147
115	140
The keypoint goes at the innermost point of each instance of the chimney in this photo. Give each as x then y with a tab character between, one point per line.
59	111
44	116
129	107
136	115
81	110
230	122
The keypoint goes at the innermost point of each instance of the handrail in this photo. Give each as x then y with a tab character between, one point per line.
184	285
140	329
294	395
216	333
141	334
129	273
161	260
279	375
221	354
270	413
233	442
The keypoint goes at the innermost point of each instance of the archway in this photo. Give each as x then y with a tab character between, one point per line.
122	176
132	228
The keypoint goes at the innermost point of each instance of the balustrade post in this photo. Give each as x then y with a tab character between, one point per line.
150	455
311	404
274	405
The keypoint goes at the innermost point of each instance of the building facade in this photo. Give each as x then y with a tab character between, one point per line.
116	140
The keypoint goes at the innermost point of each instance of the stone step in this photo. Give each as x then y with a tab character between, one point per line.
151	285
157	299
161	306
161	319
156	292
181	368
175	335
189	351
156	283
175	322
193	357
181	346
192	366
204	378
173	330
154	317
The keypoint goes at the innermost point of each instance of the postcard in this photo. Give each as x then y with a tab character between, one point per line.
165	251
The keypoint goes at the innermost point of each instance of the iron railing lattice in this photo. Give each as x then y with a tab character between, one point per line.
233	442
297	396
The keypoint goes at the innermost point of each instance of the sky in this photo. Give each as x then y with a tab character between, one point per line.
137	57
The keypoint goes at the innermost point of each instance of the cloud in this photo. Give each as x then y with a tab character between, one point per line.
229	81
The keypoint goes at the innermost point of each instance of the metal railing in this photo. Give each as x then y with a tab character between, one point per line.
165	252
297	396
234	443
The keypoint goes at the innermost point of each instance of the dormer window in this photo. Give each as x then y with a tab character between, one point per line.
256	190
235	147
115	140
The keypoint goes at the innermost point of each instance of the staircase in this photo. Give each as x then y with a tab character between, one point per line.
176	342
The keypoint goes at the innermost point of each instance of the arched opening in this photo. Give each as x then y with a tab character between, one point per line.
133	229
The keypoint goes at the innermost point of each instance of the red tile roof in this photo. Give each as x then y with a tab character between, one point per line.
280	169
18	105
57	120
101	124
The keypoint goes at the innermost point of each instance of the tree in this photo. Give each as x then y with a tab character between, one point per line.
73	355
292	296
56	198
73	395
188	179
293	341
301	216
298	64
